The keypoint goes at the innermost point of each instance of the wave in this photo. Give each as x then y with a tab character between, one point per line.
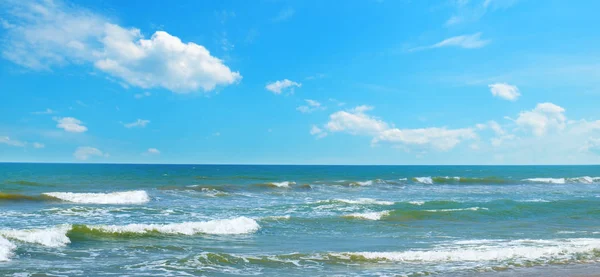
517	251
123	197
363	183
238	225
62	235
457	210
50	237
479	255
359	201
456	179
285	184
25	183
417	203
368	215
6	249
583	180
23	197
423	180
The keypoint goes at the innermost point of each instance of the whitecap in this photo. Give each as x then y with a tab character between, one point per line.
285	184
6	249
418	203
424	180
50	237
238	225
365	183
359	201
547	180
122	197
369	215
458	210
518	250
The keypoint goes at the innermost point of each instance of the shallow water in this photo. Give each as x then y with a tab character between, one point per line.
224	220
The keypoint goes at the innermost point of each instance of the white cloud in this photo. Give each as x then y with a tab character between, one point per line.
544	117
284	14
142	95
38	145
8	141
311	106
85	152
316	76
70	124
278	87
471	41
49	34
317	132
505	91
138	123
357	122
47	111
153	151
439	138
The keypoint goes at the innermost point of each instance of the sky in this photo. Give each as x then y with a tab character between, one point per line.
300	82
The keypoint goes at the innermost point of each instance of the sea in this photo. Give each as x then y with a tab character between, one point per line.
288	220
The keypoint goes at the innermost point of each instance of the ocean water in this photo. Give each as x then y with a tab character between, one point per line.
230	220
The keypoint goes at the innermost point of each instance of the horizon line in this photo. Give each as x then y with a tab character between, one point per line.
286	164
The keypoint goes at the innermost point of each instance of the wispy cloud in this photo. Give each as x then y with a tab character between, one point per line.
311	106
472	11
471	41
12	142
140	123
142	95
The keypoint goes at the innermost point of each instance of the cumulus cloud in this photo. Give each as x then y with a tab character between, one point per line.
311	106
153	151
70	124
505	91
357	122
317	132
141	123
278	87
544	117
471	41
83	153
11	142
46	34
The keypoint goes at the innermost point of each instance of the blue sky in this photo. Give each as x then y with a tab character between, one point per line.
300	82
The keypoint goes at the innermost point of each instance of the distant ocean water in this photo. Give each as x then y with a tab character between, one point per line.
229	220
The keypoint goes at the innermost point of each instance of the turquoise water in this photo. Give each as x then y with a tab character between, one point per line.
226	220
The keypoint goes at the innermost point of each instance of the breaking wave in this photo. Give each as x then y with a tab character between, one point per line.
368	215
359	201
6	248
123	197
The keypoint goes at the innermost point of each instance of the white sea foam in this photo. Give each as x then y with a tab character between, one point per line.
277	217
365	183
122	197
6	249
359	201
238	225
518	250
583	179
418	203
369	215
285	184
547	180
458	210
50	237
424	180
